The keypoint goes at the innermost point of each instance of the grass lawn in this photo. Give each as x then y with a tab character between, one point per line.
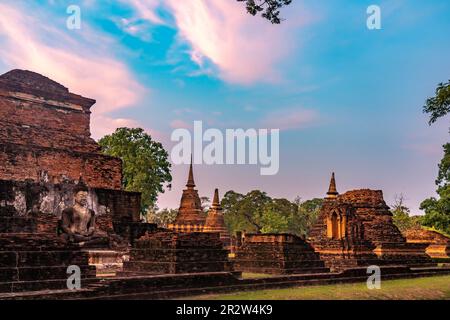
418	288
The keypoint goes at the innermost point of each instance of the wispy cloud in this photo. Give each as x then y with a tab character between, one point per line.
220	33
290	119
95	74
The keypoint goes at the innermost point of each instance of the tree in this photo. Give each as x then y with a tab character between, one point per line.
400	214
305	216
161	217
439	105
269	8
273	222
437	211
257	212
244	212
145	169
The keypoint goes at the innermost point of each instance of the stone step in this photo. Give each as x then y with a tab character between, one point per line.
110	289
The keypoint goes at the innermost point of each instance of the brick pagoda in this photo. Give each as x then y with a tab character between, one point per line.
356	229
215	221
190	214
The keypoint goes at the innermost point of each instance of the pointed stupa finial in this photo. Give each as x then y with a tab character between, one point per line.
216	203
190	183
332	192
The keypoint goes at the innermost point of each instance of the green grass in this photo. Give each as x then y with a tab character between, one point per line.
427	288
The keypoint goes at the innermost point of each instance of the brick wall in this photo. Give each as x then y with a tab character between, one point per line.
23	163
45	134
31	207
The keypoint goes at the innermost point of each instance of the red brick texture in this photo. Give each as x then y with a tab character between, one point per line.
45	134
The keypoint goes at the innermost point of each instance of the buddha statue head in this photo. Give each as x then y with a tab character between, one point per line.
81	195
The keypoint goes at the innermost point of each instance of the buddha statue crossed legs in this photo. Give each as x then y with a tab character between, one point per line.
78	222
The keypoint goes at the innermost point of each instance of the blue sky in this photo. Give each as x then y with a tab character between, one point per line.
347	99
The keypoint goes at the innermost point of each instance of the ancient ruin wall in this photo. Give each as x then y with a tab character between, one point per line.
45	134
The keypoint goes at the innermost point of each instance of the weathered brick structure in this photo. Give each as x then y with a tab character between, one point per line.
45	152
438	245
45	135
170	252
45	146
215	221
277	254
356	229
190	216
55	184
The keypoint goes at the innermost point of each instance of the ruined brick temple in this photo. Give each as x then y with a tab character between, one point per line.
438	245
46	150
49	164
356	229
62	204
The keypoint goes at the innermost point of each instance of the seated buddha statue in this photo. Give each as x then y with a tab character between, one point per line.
78	222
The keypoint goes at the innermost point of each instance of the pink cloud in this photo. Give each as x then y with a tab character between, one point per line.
147	9
290	119
105	125
244	49
177	123
92	74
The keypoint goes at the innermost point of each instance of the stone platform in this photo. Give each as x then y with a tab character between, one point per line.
169	252
185	285
277	254
107	263
437	244
30	262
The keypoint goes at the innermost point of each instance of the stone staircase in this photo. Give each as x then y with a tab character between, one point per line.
185	285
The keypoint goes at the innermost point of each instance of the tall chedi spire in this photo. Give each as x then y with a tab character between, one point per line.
215	221
190	183
216	204
190	211
332	192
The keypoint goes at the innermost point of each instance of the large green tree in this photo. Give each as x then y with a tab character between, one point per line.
269	9
273	222
146	168
244	212
437	210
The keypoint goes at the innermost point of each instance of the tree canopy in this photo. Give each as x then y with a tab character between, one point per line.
257	212
437	211
439	105
162	217
146	168
269	9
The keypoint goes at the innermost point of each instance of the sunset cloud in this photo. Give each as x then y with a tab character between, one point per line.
244	49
